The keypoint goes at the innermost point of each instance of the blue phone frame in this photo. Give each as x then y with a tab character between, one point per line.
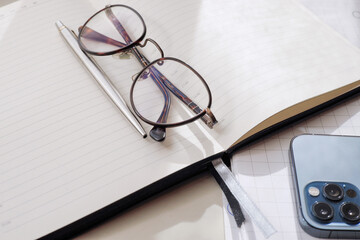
324	158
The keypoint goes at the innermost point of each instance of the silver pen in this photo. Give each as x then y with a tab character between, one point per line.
100	76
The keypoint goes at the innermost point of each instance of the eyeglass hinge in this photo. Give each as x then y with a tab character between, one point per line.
209	118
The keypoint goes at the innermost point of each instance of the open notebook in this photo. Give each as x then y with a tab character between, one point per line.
69	158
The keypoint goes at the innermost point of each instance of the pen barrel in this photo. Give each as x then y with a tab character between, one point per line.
99	75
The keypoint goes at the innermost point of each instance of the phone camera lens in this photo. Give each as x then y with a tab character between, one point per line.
323	211
350	212
333	192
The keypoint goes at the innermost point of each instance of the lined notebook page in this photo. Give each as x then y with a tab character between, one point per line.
258	56
65	150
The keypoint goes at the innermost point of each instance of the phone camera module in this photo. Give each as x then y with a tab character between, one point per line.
333	192
323	211
350	211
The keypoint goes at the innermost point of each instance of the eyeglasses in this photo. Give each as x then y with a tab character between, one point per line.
120	29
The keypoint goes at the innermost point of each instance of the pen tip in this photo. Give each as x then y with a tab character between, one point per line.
59	24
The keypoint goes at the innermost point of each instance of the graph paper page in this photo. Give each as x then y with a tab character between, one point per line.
263	170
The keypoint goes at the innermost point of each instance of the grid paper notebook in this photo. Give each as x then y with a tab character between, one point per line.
263	170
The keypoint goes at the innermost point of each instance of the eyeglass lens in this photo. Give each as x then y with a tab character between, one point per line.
106	28
177	95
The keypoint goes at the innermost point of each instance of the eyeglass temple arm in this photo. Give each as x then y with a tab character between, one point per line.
142	59
164	114
117	24
96	36
208	119
156	76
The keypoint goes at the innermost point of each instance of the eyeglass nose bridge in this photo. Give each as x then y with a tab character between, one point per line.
145	61
126	54
155	44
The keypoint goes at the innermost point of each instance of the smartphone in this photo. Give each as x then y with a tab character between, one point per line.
326	177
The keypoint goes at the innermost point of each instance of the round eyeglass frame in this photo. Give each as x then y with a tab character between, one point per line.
131	45
199	115
138	43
